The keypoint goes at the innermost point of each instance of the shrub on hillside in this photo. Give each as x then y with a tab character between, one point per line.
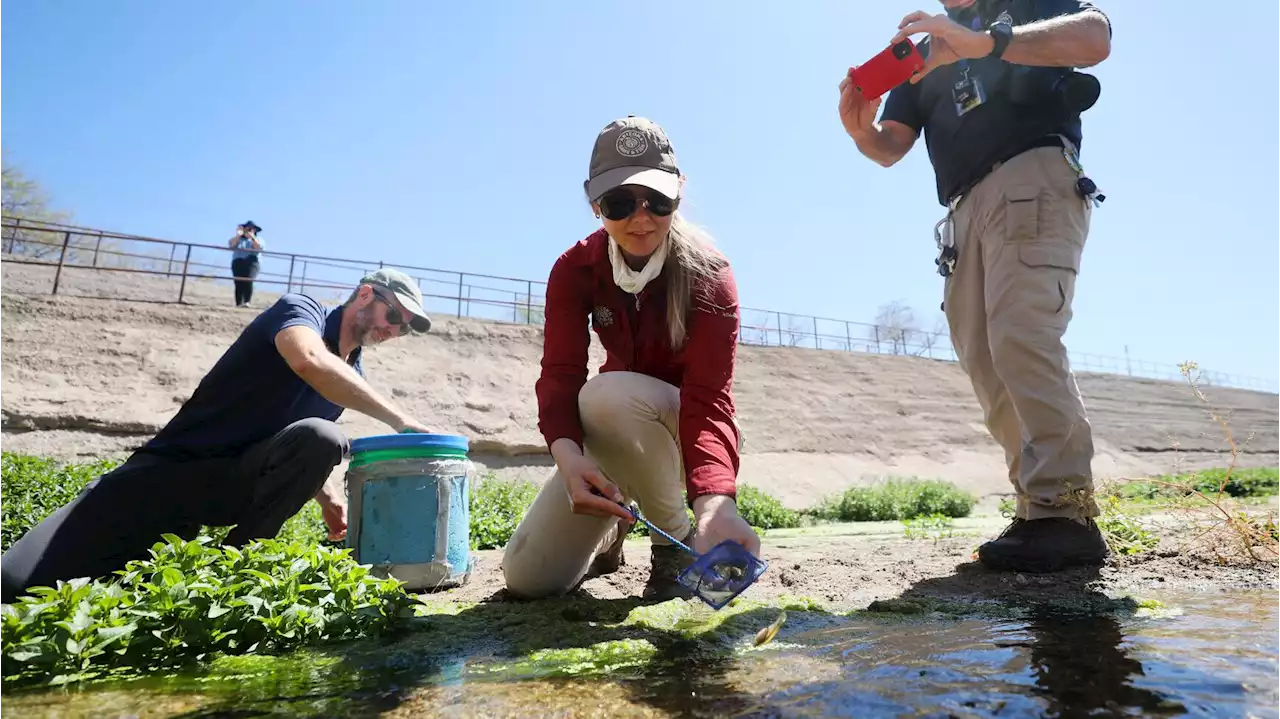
1251	482
896	499
763	510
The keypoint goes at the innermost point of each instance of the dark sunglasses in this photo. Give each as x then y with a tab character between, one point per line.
621	204
394	315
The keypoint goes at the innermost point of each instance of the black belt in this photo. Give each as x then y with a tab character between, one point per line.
1045	141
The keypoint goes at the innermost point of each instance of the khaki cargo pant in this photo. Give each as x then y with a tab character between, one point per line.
631	424
1019	236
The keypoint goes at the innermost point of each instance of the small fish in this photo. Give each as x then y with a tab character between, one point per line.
767	634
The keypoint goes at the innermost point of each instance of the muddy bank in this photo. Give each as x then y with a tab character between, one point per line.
874	561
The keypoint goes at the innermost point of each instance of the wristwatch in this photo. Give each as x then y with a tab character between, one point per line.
1001	32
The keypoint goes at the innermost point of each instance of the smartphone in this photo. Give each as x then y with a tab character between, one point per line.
888	69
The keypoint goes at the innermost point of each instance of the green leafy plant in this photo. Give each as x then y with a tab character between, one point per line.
896	499
763	510
1123	533
35	487
496	509
934	526
191	601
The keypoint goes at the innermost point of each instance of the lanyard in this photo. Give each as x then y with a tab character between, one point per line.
975	25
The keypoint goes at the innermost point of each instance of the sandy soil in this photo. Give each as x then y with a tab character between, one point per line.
851	566
88	377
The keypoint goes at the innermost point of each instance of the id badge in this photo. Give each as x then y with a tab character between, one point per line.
968	94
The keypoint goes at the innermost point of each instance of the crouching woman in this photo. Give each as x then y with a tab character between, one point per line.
656	424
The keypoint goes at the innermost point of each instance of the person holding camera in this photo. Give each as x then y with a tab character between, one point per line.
245	247
999	102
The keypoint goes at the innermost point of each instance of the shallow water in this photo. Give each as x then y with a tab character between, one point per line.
1203	655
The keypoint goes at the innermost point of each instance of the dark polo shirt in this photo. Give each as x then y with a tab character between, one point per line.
963	148
251	393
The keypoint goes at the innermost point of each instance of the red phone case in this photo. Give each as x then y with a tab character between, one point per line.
888	69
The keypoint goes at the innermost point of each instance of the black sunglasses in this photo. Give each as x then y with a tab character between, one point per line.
621	204
394	316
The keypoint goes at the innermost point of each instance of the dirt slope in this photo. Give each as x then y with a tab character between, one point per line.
90	377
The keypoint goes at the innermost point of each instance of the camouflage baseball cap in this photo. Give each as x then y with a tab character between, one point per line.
633	151
406	291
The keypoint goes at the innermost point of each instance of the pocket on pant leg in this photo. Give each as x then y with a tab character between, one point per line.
1022	213
1058	262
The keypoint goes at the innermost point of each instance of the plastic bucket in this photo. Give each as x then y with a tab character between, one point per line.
409	508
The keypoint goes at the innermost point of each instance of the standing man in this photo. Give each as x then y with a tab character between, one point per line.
999	105
255	442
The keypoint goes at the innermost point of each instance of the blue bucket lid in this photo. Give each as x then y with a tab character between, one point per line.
409	440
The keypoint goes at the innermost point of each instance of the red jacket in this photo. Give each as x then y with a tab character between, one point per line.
633	331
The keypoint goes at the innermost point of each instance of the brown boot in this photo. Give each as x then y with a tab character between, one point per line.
608	561
665	564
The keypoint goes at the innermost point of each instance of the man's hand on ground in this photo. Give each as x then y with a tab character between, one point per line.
333	507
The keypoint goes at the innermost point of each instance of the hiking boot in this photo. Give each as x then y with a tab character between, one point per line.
666	561
608	561
1039	546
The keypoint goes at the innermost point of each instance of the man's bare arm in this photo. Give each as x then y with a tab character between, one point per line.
1080	39
885	142
335	380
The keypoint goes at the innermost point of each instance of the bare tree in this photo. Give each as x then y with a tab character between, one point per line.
933	339
796	330
25	199
896	325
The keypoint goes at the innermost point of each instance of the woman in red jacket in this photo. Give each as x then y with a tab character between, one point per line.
656	424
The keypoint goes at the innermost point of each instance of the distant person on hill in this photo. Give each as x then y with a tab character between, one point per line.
244	260
999	104
657	423
255	441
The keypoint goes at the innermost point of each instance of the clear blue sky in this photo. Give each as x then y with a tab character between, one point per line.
457	135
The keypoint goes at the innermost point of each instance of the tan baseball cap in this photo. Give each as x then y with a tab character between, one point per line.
406	291
633	151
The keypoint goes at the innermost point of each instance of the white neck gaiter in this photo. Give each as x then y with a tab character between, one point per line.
630	280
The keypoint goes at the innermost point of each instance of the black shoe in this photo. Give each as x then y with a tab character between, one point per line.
1038	546
665	564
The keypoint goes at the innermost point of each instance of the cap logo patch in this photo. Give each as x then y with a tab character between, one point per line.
632	143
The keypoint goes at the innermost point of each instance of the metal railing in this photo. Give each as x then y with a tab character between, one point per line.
82	261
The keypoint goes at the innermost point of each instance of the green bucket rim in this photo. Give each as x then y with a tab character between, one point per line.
386	455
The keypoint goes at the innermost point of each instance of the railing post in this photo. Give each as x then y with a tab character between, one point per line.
848	338
97	246
173	250
182	289
778	315
459	294
303	289
877	331
289	284
13	236
528	302
817	343
62	258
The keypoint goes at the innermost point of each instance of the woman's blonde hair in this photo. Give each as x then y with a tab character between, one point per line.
692	262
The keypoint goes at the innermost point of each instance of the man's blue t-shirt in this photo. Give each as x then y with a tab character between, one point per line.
251	393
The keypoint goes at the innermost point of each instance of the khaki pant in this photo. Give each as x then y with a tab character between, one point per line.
1019	236
630	422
